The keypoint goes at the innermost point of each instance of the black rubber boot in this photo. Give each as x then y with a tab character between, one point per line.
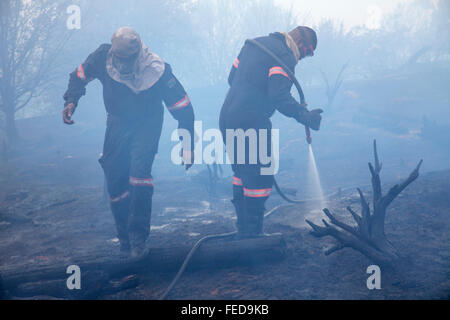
249	222
240	214
138	243
141	211
120	210
254	221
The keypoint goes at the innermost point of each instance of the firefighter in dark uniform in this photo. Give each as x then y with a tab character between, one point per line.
258	87
135	82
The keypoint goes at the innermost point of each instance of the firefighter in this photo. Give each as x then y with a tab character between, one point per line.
135	82
258	87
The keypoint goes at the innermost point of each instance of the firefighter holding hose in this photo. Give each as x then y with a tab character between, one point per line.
135	82
259	85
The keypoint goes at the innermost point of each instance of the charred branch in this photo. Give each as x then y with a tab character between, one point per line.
368	235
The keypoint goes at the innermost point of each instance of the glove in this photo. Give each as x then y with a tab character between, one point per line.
187	158
67	113
311	118
186	155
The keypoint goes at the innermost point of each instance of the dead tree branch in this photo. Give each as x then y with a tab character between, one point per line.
368	235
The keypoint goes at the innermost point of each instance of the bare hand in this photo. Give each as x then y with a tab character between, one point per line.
67	113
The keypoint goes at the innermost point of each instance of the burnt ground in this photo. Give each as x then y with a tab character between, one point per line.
53	208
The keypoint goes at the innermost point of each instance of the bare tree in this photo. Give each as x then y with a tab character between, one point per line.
368	235
224	25
28	49
332	90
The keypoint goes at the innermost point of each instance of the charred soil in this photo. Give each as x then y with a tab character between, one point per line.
46	221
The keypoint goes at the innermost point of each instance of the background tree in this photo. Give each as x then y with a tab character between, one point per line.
222	26
31	39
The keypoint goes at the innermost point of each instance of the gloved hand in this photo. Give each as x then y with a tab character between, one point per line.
311	118
67	113
187	158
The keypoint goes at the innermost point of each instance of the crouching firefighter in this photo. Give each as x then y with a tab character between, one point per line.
135	82
258	86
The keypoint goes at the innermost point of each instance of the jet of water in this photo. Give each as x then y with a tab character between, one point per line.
315	191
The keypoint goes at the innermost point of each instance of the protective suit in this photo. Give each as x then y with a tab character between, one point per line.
136	82
258	87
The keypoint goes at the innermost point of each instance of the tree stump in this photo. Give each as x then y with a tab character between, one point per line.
368	235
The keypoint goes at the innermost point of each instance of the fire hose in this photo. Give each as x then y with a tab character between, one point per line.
302	103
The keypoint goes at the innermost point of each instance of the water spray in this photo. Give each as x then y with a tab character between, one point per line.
314	178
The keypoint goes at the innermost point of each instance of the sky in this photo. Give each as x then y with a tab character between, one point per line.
351	12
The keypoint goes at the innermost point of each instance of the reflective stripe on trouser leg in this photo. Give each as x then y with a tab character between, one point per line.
238	191
237	181
257	186
141	182
120	197
257	193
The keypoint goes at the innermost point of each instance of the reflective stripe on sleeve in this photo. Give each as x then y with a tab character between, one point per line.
180	104
236	63
80	72
277	70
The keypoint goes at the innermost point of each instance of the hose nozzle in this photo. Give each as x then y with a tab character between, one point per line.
308	135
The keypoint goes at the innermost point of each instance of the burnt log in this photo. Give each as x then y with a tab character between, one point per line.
100	274
95	283
368	236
